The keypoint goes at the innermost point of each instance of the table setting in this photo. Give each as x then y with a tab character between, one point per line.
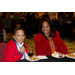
50	58
36	58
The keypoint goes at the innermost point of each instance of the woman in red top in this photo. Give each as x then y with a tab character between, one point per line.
48	40
16	49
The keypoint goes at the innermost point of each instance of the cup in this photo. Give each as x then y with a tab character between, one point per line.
30	53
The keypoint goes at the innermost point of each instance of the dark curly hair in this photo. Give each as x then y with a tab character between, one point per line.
52	28
16	29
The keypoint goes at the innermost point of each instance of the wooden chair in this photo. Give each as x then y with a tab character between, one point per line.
2	50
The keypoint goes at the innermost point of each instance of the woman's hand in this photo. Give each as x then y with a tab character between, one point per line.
22	49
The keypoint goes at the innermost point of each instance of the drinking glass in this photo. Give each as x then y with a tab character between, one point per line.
30	53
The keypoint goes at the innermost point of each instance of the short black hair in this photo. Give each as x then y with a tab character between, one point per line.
52	28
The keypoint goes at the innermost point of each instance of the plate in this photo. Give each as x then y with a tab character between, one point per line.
42	57
70	56
53	55
33	57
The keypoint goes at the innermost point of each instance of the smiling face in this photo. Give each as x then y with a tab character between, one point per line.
46	28
19	36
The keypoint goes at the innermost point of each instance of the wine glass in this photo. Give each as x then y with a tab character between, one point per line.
30	53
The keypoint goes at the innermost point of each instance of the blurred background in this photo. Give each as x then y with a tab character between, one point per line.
64	22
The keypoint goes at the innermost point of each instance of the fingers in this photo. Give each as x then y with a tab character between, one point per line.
22	49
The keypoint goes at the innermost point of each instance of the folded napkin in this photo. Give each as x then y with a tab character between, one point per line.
42	57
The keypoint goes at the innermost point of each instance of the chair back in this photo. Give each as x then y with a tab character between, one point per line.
2	50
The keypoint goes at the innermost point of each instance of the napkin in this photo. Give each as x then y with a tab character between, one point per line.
42	57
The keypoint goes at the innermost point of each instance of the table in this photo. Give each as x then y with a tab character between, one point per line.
52	59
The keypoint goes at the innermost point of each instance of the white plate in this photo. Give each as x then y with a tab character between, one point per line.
70	57
42	57
32	60
57	57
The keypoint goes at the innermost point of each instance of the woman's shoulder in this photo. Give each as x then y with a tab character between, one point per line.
38	37
57	33
11	42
